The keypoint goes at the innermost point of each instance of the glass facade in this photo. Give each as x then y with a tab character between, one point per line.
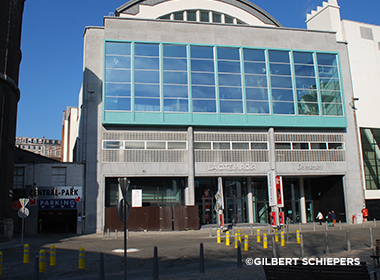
371	157
173	78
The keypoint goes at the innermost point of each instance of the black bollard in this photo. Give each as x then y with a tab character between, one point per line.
37	268
274	254
239	264
155	263
201	260
101	267
327	244
348	241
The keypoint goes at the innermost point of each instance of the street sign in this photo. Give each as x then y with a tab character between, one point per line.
24	201
122	216
23	212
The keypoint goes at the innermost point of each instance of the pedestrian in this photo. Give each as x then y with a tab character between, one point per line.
320	217
333	217
328	219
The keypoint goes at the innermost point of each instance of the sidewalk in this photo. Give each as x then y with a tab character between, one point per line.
178	253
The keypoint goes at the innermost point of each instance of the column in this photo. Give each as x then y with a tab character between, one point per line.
189	191
250	200
302	201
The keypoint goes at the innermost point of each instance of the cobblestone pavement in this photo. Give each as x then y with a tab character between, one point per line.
178	253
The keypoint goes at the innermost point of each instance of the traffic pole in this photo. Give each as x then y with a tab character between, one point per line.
298	236
276	235
81	258
53	259
236	240
258	236
42	260
228	238
26	254
282	239
218	239
246	244
265	241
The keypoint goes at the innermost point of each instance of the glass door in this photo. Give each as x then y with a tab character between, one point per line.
208	210
234	210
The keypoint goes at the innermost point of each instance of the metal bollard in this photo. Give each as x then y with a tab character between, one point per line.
210	232
371	237
228	238
251	230
299	226
26	254
363	222
1	263
313	226
36	268
268	229
116	233
127	234
246	244
265	241
276	235
340	224
348	241
258	239
108	233
239	235
81	258
274	254
282	239
42	260
302	252
155	263
101	267
239	264
298	237
201	259
218	239
53	258
287	233
326	226
236	240
327	244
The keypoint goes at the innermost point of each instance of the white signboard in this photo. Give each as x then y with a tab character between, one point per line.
272	188
56	192
136	198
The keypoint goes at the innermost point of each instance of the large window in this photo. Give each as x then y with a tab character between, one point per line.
174	78
58	176
18	178
371	157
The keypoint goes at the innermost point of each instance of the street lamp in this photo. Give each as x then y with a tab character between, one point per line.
123	211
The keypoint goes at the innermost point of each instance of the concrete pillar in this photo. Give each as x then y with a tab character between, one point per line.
250	200
302	201
189	191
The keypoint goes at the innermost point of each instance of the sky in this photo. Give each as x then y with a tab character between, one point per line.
52	51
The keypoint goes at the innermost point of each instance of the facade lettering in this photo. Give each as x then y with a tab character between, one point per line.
232	167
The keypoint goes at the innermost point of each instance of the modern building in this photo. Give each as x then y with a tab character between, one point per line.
10	57
46	147
54	190
363	45
185	98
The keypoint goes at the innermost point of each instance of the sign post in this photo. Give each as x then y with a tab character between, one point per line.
123	216
23	213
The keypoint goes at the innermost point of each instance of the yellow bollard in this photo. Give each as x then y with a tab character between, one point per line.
276	235
239	235
298	236
42	260
227	238
282	239
53	258
236	239
26	254
258	239
246	244
1	263
218	239
81	258
265	241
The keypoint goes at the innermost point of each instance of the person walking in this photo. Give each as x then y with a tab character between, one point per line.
319	217
333	217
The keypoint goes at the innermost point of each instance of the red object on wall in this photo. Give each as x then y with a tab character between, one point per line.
365	212
281	218
353	219
273	219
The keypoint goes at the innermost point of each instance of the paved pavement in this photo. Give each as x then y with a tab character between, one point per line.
178	253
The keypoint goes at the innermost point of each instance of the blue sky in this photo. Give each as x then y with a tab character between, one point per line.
52	47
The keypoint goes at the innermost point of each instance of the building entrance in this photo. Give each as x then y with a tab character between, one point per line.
56	221
234	210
